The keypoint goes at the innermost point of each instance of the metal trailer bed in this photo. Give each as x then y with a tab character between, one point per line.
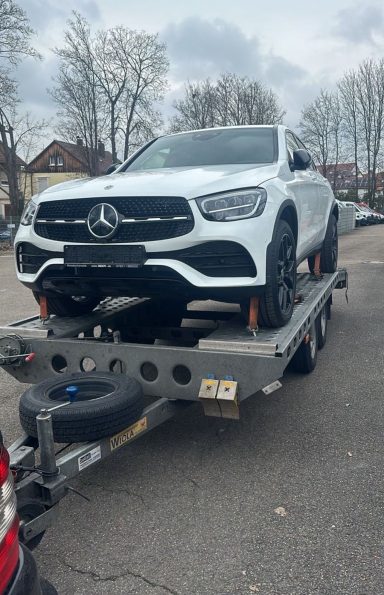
212	357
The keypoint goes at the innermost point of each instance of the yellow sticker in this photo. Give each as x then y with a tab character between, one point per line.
128	434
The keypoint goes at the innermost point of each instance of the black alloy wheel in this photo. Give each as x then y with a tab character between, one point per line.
277	302
286	274
329	249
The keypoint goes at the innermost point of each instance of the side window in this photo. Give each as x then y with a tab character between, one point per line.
291	145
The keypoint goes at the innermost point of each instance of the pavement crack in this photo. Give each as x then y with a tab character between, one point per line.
118	490
115	577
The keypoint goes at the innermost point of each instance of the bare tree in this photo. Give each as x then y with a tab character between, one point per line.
146	82
230	101
116	75
348	106
77	90
15	34
196	109
370	100
321	129
244	101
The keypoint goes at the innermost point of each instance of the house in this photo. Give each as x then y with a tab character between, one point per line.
5	206
342	177
60	162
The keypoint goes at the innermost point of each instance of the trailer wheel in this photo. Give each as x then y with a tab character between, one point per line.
105	404
322	325
305	358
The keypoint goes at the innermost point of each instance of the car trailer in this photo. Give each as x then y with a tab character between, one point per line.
212	357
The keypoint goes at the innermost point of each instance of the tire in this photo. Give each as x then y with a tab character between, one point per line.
305	359
322	325
106	403
66	305
277	302
329	249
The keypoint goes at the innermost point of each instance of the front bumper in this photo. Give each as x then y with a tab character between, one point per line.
164	264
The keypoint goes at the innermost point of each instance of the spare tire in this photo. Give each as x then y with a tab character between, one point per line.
105	404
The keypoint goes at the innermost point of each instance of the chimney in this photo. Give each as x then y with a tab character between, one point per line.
79	141
101	149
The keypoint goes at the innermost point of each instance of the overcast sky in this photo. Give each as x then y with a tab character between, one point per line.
294	47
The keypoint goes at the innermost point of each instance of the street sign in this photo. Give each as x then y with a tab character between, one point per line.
11	225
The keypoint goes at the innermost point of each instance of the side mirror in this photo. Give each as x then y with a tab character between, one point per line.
112	168
301	159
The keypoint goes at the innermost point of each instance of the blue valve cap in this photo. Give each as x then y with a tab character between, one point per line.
72	392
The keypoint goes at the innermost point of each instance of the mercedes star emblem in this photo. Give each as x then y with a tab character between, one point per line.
103	221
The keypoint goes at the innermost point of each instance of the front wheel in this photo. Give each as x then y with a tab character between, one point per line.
276	305
67	305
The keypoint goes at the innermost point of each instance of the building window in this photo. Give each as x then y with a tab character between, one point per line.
52	161
60	160
42	184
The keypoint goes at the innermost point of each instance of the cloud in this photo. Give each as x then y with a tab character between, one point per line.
360	24
48	11
199	49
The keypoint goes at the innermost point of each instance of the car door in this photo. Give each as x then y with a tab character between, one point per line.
324	201
304	187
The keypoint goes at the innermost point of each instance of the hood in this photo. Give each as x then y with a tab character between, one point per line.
189	182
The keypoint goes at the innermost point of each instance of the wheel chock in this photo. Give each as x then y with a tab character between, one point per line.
44	314
253	315
219	398
317	267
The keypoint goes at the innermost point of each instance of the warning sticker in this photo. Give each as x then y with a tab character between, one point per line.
89	458
128	434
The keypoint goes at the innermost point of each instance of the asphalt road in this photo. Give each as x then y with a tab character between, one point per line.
191	507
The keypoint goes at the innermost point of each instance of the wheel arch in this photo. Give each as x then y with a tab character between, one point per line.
287	212
335	211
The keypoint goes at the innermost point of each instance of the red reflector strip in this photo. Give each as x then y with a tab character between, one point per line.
4	465
9	555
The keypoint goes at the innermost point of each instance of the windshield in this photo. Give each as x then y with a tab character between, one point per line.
208	147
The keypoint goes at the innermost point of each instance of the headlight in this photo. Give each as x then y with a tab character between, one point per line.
239	204
29	213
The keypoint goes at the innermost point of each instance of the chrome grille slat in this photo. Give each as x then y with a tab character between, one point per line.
142	219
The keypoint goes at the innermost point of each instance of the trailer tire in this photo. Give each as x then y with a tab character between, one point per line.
322	325
105	404
305	358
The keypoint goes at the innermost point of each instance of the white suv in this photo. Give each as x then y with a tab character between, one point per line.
222	213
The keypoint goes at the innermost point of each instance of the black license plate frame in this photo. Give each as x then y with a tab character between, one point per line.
105	256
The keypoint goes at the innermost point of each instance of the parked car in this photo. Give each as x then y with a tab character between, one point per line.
18	570
6	235
222	213
364	217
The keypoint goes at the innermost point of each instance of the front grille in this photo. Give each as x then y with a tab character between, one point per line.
148	219
214	259
30	258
